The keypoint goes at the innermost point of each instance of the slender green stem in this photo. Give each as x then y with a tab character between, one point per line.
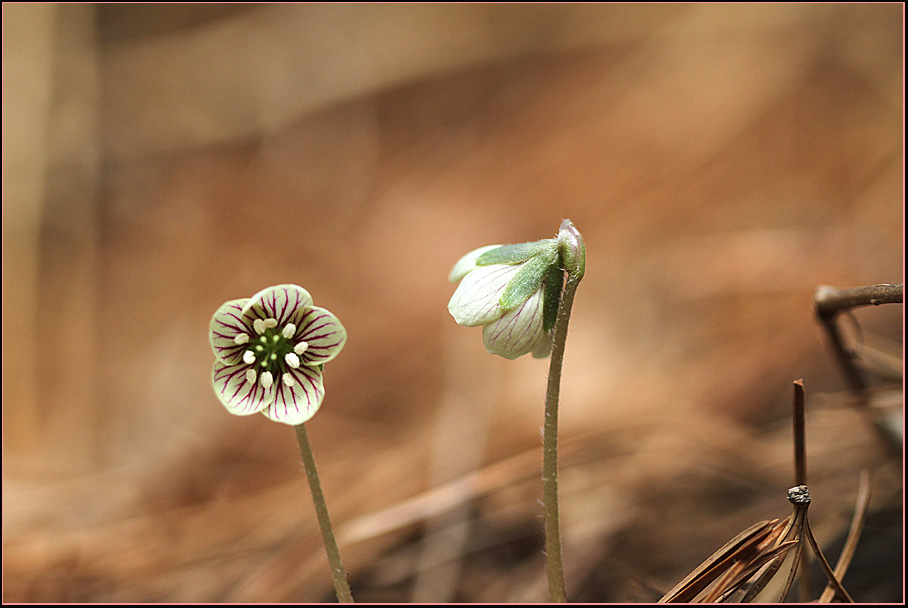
554	565
341	586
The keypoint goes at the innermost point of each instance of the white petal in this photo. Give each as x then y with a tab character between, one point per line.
468	263
475	302
227	324
238	395
298	402
323	334
518	331
278	303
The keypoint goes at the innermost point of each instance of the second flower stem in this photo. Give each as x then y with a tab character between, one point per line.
553	562
341	586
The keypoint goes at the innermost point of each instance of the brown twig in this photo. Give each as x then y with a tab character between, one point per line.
829	302
795	533
719	562
800	451
854	533
800	461
827	569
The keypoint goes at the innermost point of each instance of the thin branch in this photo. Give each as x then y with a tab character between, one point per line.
830	300
827	569
766	572
854	533
739	587
800	451
799	521
800	460
718	562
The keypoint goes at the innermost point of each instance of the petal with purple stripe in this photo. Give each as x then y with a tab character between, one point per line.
518	331
297	403
238	395
322	331
476	299
279	302
226	324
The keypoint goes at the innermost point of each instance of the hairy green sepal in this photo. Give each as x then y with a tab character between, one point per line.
514	254
529	278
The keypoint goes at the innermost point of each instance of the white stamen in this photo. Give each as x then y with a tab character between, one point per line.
250	376
270	322
292	360
241	339
300	348
289	330
258	325
248	357
267	380
288	379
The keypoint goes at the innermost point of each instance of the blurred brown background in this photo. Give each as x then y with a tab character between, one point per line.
721	161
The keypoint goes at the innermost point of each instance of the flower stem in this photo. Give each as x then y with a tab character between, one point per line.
341	586
553	563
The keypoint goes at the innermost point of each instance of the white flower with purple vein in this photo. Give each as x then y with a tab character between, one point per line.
511	291
270	350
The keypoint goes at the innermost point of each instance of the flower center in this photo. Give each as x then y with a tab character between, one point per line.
270	351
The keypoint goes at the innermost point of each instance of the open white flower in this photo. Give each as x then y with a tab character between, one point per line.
512	292
270	350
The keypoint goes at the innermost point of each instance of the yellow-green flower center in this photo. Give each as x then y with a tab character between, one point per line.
272	349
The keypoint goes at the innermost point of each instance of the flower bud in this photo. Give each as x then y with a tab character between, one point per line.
573	251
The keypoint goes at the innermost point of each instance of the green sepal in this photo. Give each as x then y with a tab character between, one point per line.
514	254
529	278
554	280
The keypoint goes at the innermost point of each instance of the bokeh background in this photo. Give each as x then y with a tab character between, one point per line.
722	161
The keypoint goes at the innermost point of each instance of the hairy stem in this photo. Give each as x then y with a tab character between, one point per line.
341	586
553	561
